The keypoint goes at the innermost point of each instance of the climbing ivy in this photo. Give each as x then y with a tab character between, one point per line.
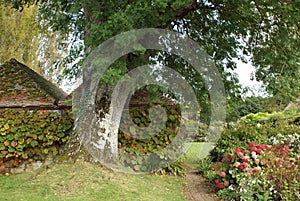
139	144
30	135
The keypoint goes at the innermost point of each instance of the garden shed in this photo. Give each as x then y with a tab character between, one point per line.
35	118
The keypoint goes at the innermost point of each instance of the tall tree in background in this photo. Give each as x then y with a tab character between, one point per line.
267	31
19	36
22	37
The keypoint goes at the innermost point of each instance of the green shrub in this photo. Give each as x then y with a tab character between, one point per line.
257	128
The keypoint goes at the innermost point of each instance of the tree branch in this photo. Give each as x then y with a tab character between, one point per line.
179	12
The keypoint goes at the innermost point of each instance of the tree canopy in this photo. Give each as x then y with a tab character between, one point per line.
267	31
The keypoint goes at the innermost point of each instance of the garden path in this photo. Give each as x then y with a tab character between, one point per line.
197	188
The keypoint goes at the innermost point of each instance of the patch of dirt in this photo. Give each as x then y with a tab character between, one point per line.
197	188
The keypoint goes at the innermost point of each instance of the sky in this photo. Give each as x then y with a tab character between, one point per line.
244	72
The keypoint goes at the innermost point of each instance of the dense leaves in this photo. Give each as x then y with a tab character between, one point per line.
31	135
268	31
23	38
140	146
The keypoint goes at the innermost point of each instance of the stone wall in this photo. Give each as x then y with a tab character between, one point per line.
29	166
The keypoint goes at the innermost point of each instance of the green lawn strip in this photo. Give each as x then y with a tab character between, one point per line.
196	151
84	181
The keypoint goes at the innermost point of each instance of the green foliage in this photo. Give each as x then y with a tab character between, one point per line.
176	169
31	135
257	128
23	39
266	30
133	143
19	35
140	144
238	107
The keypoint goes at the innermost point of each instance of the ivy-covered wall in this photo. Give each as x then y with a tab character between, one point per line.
27	136
138	144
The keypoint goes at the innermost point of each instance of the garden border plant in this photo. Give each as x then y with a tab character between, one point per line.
258	158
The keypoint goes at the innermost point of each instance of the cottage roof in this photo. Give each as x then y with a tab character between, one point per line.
21	86
44	84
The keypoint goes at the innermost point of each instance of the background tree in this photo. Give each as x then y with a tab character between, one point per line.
24	38
19	36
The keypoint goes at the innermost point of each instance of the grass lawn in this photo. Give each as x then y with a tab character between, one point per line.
85	181
196	151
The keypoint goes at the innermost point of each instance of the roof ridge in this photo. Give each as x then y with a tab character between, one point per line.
50	88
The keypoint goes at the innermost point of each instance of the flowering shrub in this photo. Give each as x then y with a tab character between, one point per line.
260	172
274	128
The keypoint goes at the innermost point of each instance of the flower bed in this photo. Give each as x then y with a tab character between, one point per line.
259	172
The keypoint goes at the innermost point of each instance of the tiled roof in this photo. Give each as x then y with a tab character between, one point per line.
20	86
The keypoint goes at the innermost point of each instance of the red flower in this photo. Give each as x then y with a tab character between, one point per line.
259	151
243	165
239	152
264	146
222	174
214	168
293	165
245	159
219	184
251	144
254	149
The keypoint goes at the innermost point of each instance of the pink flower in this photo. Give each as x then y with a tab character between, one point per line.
251	144
226	183
293	165
214	168
240	154
245	159
243	165
222	174
219	163
236	164
253	154
252	170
